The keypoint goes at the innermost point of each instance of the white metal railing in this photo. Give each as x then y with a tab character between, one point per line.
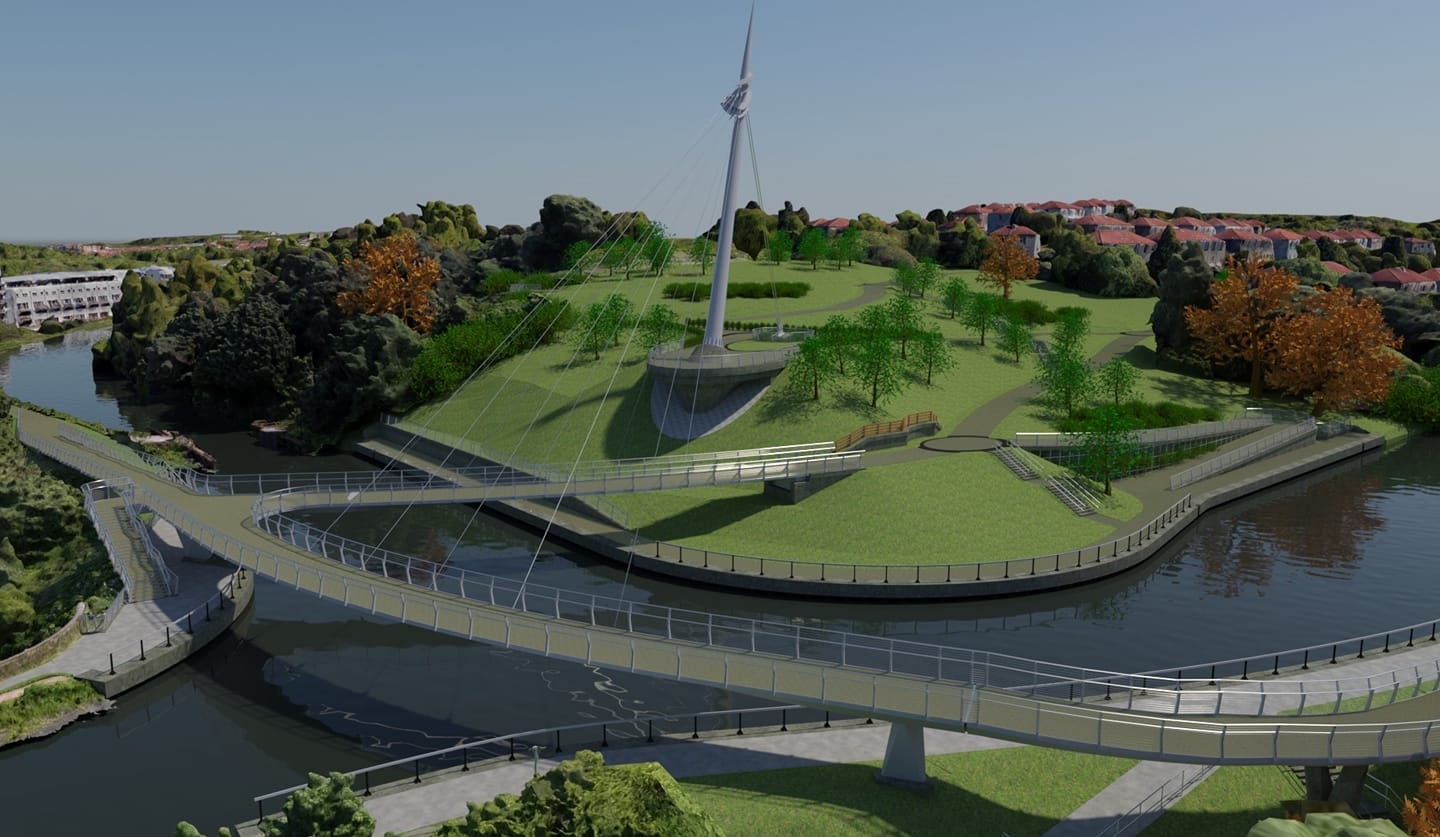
1159	799
726	360
93	624
1206	431
1043	689
104	489
168	576
1239	457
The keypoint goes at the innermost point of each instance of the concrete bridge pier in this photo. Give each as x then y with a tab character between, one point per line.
904	764
1349	787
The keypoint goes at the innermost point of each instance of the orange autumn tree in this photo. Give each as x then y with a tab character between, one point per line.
1009	262
1422	813
1336	349
1244	308
398	280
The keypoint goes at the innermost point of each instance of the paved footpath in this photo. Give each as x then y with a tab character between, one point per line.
137	621
415	806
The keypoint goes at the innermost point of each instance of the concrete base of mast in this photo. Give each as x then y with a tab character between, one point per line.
698	391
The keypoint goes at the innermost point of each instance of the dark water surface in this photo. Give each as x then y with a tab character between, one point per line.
308	685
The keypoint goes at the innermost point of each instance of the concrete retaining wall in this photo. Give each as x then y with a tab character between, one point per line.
45	648
593	540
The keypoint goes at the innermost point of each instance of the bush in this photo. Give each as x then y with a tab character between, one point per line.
1149	415
51	326
888	255
697	291
1029	311
451	356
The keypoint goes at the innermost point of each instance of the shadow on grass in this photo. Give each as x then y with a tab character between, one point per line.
631	432
1189	824
846	799
1214	394
707	517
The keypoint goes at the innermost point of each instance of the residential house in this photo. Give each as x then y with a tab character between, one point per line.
1212	248
1242	243
30	299
1096	206
1068	211
1365	238
1401	279
1223	224
1337	268
1185	222
1149	227
1285	243
1257	227
1029	239
973	212
1092	223
1143	247
997	215
1434	274
1419	246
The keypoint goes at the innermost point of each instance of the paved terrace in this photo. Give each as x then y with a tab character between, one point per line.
787	663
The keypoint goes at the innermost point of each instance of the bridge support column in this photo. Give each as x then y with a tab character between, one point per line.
904	764
1350	786
1318	784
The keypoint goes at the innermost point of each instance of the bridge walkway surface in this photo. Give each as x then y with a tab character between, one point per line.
146	581
789	663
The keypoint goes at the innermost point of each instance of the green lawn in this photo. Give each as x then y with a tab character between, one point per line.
1228	802
1022	791
950	508
1358	704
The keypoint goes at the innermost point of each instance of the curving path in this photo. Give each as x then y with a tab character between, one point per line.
914	684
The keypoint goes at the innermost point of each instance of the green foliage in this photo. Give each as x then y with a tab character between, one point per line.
1415	399
814	246
1015	339
1310	271
1065	380
981	313
326	805
1146	414
1072	326
903	313
250	360
601	324
1122	273
659	324
849	246
451	356
1109	445
752	227
1167	247
812	367
584	796
368	370
874	360
1117	379
51	325
1325	825
932	353
779	246
1184	281
702	252
41	704
955	295
964	247
1031	312
694	291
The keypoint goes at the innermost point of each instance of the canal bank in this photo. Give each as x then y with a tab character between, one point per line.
1168	513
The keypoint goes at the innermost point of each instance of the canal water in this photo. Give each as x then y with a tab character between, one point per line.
305	685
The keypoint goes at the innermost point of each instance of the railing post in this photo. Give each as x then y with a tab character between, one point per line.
739	723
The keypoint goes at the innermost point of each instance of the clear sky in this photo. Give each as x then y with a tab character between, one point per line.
149	118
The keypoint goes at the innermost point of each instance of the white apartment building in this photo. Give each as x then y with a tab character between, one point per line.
31	299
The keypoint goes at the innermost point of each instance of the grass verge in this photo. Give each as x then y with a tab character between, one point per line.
1011	791
44	704
1228	802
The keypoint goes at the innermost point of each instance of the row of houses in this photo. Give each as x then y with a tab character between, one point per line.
31	299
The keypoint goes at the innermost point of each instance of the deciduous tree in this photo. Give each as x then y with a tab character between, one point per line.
398	280
927	276
659	324
1015	338
1116	380
955	295
812	367
702	250
1336	349
1109	445
1244	308
838	335
814	246
326	805
980	313
850	245
874	361
1066	381
903	314
933	353
779	247
1009	262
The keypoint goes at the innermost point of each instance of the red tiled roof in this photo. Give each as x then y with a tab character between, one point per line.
972	209
837	223
1225	223
1336	267
1279	234
1014	229
1101	220
1120	238
1049	205
819	222
1240	234
1187	221
1315	235
1182	234
1152	223
1399	275
1432	273
1087	202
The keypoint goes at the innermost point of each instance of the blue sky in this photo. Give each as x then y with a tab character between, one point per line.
147	118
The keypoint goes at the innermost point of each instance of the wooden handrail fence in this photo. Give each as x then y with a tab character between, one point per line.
882	427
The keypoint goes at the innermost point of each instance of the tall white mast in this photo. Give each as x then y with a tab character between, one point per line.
737	104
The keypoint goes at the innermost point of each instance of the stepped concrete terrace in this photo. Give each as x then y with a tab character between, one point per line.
912	685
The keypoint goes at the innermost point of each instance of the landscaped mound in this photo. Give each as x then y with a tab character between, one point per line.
584	796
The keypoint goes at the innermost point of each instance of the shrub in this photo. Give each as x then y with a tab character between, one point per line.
451	356
51	326
1029	311
1148	414
696	291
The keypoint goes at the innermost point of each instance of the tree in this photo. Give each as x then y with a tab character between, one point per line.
1337	350
1184	282
579	256
397	280
1009	262
601	324
659	324
1109	445
1422	813
1117	379
814	246
779	247
1072	326
1065	380
874	361
838	335
927	276
965	247
1244	307
1165	248
850	245
1015	338
752	226
812	367
904	277
1121	273
955	295
702	250
980	313
932	353
904	319
326	805
658	249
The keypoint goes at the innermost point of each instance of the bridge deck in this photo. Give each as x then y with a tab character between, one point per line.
224	524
